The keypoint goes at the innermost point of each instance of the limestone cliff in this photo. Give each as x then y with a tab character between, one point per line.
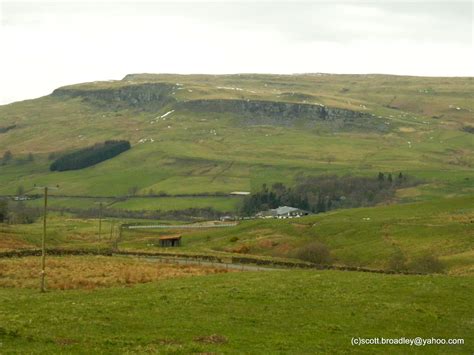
144	96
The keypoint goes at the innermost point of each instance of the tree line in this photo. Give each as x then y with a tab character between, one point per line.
89	156
326	192
17	213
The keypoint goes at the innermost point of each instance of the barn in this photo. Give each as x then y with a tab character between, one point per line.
170	241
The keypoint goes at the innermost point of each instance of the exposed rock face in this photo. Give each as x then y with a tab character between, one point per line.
148	97
283	113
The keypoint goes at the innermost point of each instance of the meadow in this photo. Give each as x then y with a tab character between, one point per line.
248	312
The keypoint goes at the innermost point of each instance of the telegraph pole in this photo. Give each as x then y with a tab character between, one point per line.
43	239
100	220
101	207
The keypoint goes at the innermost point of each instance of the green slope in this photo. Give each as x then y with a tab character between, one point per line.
200	149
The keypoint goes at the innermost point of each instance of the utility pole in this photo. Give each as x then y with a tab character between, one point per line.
111	229
100	220
101	207
43	240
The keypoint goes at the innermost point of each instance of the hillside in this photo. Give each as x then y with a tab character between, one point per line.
194	134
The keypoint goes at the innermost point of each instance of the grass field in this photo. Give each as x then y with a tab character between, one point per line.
250	312
222	204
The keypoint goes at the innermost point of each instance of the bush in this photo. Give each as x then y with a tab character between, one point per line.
234	239
90	156
427	264
3	210
397	262
19	213
315	252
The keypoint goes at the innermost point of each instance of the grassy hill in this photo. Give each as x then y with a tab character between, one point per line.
235	132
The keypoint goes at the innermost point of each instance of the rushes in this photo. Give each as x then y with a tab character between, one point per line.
90	272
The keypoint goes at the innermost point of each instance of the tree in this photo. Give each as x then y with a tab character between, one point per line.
330	158
427	264
31	157
132	191
315	252
20	190
3	210
390	178
381	176
397	261
7	156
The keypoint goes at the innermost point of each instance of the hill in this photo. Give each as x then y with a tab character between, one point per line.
220	133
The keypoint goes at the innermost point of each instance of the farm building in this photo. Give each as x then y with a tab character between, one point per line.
283	212
170	241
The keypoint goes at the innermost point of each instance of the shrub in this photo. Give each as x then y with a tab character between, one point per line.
241	249
7	156
234	239
19	213
3	210
427	263
397	261
315	252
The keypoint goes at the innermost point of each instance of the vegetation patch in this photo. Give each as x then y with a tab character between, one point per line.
90	156
5	129
315	252
468	129
90	272
327	192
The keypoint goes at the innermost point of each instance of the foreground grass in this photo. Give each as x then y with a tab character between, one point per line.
266	312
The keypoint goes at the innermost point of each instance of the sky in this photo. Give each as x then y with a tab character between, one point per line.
48	44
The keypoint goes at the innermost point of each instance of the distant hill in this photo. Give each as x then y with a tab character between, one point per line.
221	133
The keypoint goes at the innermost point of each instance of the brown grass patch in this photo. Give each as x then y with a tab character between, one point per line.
8	243
89	272
267	244
241	249
407	129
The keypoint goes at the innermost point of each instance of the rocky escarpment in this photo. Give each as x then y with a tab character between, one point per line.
148	97
284	113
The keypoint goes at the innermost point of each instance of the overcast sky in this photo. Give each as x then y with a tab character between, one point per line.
45	45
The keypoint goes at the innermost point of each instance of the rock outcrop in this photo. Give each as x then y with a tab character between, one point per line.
149	96
283	113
